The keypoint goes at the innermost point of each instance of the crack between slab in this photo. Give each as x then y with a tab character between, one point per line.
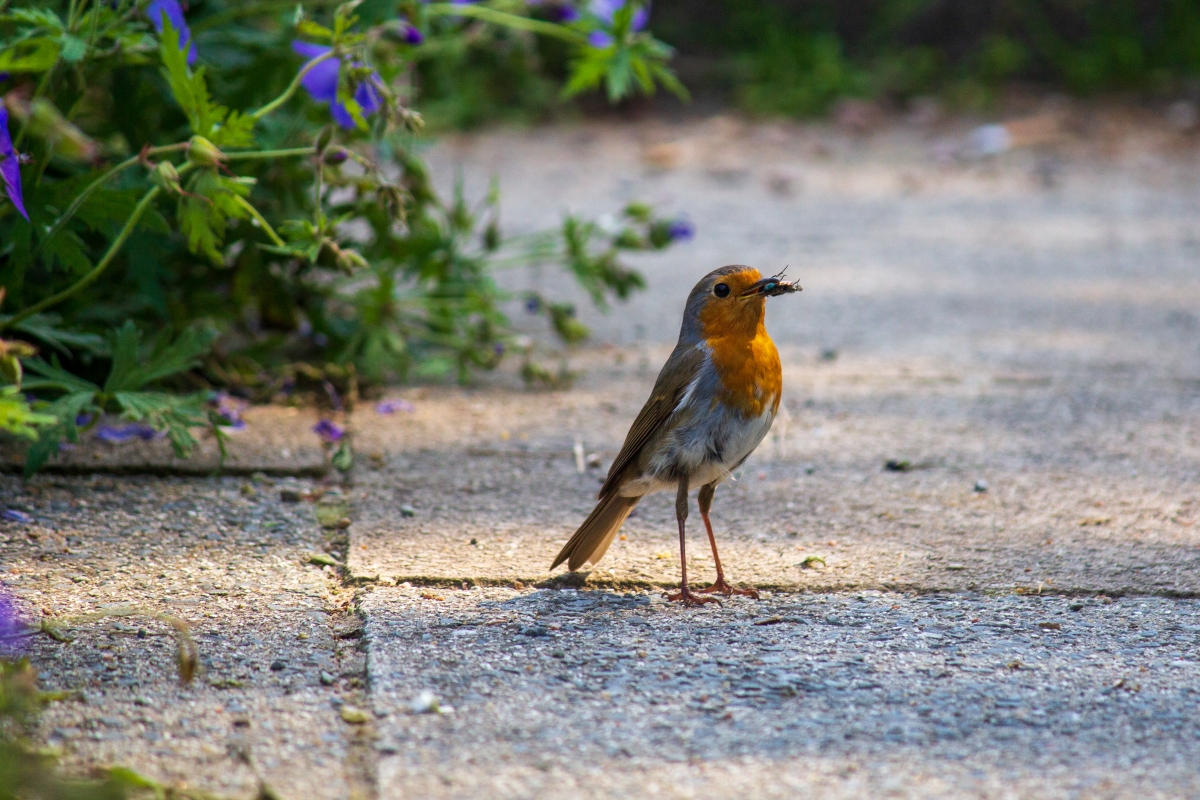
577	580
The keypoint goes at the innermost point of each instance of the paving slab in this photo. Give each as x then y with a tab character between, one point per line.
563	693
1104	506
115	560
277	440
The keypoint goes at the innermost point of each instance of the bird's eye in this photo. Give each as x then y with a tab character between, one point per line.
721	290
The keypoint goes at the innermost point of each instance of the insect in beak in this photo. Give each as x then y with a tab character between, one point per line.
772	286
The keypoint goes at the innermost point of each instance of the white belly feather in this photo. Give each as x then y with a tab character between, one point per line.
706	444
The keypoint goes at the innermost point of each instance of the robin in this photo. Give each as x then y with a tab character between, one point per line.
713	402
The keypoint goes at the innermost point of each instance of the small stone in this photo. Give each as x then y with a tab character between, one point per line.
898	465
353	715
278	666
326	678
981	486
322	560
289	496
518	585
342	523
407	511
424	703
1076	606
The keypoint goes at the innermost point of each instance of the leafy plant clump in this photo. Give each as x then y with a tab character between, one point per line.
231	196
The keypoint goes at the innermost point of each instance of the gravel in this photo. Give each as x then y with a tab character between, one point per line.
837	695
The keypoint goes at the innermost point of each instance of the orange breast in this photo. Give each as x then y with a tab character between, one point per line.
744	356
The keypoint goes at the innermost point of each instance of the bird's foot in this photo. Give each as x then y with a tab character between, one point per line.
721	587
689	600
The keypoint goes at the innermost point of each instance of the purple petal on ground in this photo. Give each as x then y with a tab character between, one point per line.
392	406
329	430
600	39
10	166
124	433
13	515
13	629
174	13
82	419
230	408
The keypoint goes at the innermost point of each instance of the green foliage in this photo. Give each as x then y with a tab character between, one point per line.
31	773
797	59
133	369
167	198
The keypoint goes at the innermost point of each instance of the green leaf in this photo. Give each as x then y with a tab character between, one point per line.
31	55
65	409
73	48
204	212
312	30
236	131
39	17
166	412
123	343
54	376
17	418
218	124
68	249
128	375
44	328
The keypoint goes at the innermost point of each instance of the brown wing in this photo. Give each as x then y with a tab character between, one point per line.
673	380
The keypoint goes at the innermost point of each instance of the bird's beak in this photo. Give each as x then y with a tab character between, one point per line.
771	287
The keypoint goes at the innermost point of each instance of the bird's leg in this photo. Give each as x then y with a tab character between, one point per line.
705	501
681	511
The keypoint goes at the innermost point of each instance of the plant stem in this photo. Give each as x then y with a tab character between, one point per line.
96	184
97	270
508	20
266	226
291	90
251	155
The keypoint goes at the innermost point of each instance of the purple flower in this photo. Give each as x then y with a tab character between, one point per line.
600	39
82	419
606	11
560	12
681	230
321	83
13	515
4	76
329	430
533	304
230	410
392	406
157	9
124	433
412	35
13	630
10	166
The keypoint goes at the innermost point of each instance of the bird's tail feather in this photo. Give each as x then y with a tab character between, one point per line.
591	541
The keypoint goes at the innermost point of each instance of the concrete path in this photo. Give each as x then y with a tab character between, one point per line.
1008	612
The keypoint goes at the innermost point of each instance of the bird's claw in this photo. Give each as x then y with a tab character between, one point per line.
721	587
689	600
